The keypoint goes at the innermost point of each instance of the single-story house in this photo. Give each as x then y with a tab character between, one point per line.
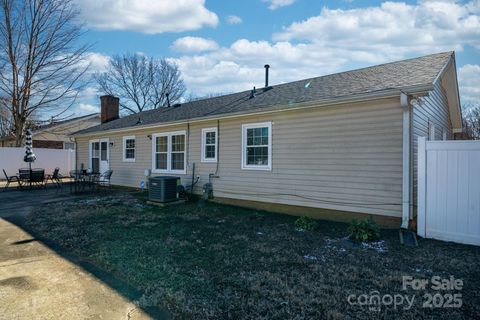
344	143
57	134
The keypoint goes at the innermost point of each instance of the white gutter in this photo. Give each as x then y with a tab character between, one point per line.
405	103
389	93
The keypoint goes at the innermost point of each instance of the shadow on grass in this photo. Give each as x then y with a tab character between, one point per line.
204	260
120	286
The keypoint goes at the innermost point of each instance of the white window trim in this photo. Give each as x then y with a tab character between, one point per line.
169	152
245	166
90	152
125	148
204	135
74	145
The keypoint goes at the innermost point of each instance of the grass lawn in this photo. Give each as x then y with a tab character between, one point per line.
204	260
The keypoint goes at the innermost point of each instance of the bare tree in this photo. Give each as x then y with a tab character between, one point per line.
5	118
192	97
471	122
141	82
40	61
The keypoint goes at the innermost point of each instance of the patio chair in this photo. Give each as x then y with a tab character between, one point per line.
24	175
11	179
55	177
103	180
37	177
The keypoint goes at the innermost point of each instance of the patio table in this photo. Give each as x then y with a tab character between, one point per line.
82	181
35	176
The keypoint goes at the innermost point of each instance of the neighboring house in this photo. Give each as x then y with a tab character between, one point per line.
57	134
345	142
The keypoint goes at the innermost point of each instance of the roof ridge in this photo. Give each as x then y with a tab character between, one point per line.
418	71
326	75
369	67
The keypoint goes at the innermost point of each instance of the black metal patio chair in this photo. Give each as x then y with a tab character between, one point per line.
11	179
103	180
37	177
55	177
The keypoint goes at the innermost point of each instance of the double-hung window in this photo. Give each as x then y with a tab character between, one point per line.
129	149
209	145
257	146
168	152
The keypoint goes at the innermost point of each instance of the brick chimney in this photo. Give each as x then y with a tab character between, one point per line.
109	108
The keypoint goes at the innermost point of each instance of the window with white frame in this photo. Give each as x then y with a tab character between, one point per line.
129	148
69	145
209	145
257	146
168	152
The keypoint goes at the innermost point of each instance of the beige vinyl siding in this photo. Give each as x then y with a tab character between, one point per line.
432	108
345	157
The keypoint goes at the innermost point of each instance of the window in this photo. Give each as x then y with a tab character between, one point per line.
129	148
257	146
168	152
161	152
209	145
69	145
104	151
95	156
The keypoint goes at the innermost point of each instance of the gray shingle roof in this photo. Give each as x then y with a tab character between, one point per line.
58	123
395	75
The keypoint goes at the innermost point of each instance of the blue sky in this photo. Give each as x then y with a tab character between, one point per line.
221	46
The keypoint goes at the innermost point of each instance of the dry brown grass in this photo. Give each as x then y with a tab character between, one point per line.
222	262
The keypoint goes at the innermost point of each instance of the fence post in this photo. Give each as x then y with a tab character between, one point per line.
421	186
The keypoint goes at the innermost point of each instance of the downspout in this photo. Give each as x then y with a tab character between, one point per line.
406	149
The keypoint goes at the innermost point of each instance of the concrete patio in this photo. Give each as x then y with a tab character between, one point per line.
38	281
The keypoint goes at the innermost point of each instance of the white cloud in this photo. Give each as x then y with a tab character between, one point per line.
275	4
194	44
469	82
233	19
97	62
87	101
333	41
147	16
86	108
392	30
240	66
336	40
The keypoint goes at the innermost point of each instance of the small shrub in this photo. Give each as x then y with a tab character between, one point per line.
306	223
364	230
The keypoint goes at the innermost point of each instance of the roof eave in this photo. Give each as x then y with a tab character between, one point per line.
388	93
60	125
448	79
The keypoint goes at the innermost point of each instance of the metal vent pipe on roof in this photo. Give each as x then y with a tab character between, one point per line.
266	75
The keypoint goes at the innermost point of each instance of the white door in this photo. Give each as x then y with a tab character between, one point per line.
104	155
99	155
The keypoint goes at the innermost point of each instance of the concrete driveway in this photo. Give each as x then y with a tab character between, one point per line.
38	282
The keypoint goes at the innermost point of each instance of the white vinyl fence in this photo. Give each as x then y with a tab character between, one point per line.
449	190
11	159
